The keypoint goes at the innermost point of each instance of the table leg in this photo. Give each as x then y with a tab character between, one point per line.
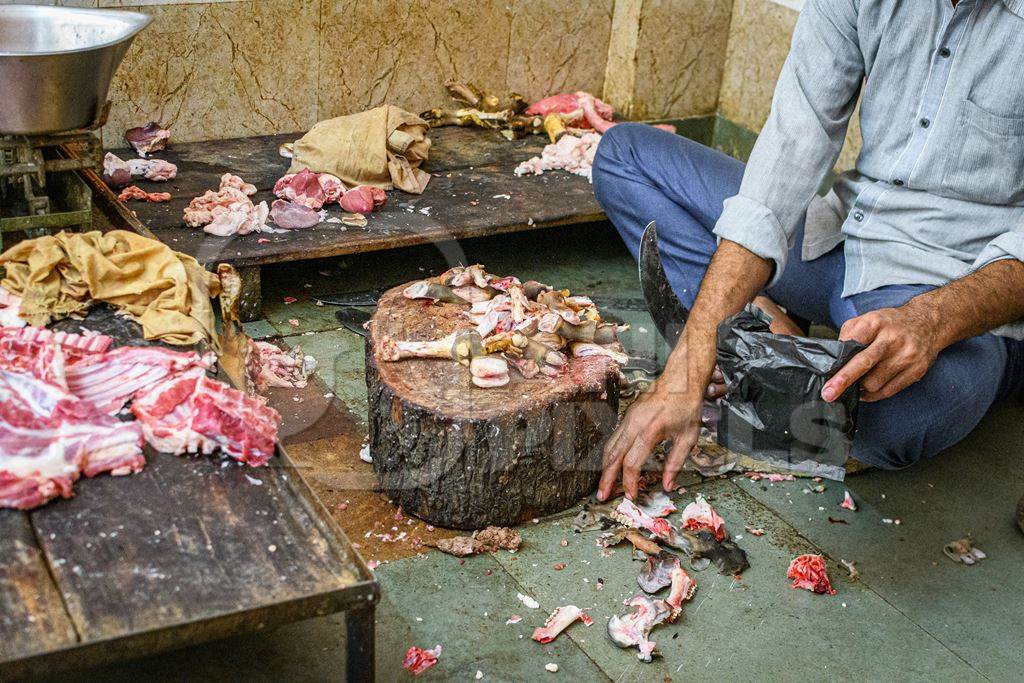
360	644
250	302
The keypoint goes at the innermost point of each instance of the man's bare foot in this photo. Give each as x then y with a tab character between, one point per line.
781	323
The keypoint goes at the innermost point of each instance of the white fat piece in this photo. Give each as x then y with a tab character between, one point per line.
489	371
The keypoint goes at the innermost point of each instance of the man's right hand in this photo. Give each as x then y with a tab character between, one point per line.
669	411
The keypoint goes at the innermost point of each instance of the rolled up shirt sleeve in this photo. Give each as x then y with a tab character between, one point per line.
1010	244
801	140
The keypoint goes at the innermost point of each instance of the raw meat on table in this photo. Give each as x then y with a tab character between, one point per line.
135	192
147	139
9	306
309	189
293	216
191	413
363	199
156	170
569	104
116	172
570	153
227	211
48	438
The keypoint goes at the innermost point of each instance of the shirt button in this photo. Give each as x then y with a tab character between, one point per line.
925	123
858	216
897	182
944	52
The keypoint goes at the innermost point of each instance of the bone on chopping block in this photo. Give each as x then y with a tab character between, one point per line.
461	379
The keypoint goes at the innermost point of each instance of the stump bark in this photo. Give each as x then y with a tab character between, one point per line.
464	457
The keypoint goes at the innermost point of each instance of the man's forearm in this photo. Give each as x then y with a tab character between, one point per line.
732	280
982	301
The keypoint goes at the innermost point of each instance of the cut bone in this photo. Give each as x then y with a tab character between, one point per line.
559	620
585	349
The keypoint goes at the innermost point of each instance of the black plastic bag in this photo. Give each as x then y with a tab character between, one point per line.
774	411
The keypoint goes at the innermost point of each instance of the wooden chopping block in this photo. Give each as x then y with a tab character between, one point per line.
464	457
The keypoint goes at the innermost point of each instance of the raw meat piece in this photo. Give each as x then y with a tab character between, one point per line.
270	366
588	349
108	380
559	621
634	630
229	180
363	199
570	153
683	588
417	660
156	170
116	172
147	139
699	515
629	514
9	305
569	105
228	210
44	353
193	413
808	572
848	502
309	189
49	437
135	192
293	216
657	572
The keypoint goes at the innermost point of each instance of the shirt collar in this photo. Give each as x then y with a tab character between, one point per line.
1015	6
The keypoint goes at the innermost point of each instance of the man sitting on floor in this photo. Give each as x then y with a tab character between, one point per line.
917	253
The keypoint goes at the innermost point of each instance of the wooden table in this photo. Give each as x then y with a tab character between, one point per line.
188	550
473	193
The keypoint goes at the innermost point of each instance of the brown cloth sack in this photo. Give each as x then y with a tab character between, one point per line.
60	275
382	147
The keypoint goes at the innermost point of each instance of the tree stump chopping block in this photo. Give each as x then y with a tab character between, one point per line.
464	457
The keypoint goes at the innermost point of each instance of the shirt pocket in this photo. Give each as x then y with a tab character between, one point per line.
987	162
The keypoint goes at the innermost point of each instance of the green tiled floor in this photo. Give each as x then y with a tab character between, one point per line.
913	615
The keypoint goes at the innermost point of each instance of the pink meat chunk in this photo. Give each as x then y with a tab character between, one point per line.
193	413
309	189
147	139
363	199
292	216
49	437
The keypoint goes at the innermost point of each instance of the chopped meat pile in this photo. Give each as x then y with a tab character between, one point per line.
59	393
270	366
302	195
147	139
227	211
135	192
570	153
309	189
808	572
508	323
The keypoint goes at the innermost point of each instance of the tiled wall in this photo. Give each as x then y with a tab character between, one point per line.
759	38
223	68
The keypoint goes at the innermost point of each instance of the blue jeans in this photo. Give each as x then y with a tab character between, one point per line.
643	174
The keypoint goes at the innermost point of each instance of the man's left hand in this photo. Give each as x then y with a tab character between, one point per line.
900	349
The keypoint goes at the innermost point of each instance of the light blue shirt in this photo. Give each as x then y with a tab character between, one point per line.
938	188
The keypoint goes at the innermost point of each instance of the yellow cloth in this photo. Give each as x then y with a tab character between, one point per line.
60	275
382	147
